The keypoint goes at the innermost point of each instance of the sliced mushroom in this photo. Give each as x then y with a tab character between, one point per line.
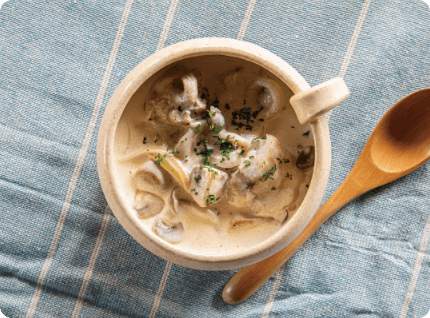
150	178
245	222
172	233
306	159
267	96
147	204
207	185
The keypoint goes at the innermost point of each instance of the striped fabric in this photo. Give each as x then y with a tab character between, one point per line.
63	253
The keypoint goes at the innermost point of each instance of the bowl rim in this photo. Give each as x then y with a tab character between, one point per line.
105	158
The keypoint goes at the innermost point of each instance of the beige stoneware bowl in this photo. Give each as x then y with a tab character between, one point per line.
309	104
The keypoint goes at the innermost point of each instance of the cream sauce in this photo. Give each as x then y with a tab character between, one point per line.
197	106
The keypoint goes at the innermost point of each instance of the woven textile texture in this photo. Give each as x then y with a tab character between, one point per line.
64	254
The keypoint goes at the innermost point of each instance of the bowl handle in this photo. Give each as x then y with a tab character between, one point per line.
318	100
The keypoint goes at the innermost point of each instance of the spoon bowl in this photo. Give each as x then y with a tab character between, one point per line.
399	144
401	140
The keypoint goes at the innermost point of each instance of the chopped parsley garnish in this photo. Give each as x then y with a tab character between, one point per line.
217	130
210	199
238	170
247	163
251	157
280	161
225	146
247	184
206	153
268	174
144	140
241	153
160	158
192	190
197	178
211	113
223	159
197	129
262	138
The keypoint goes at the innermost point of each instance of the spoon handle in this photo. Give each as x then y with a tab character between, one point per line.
250	278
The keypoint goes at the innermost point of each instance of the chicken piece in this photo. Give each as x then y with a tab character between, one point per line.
263	180
173	107
207	185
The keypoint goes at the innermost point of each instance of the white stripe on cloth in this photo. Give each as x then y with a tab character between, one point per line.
160	290
352	43
417	269
246	19
92	263
167	24
272	295
79	162
343	69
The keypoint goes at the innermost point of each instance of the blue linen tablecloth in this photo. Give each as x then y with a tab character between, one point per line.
63	253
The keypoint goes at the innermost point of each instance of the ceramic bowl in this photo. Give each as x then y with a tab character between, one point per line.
309	104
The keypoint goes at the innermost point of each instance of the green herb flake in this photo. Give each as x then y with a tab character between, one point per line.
197	129
247	163
241	153
251	157
217	130
210	199
197	178
160	159
268	174
211	113
247	184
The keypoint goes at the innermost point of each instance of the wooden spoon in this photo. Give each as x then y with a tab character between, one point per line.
399	144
